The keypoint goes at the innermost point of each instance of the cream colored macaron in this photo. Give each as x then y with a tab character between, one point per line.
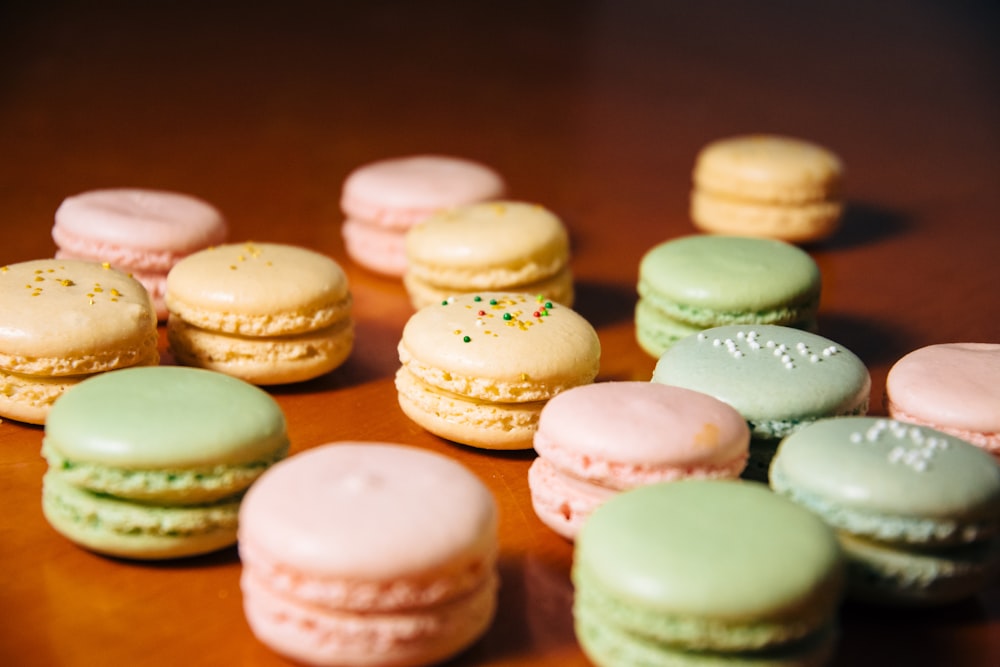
62	321
499	246
478	368
263	312
768	186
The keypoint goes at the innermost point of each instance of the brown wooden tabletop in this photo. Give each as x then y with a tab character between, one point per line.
592	108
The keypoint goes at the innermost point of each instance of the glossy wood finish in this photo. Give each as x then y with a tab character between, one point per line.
594	109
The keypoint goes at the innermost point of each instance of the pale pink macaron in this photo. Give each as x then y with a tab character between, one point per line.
365	553
951	387
597	440
141	232
383	199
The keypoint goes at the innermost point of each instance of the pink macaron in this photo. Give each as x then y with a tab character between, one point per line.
597	440
951	387
382	200
140	232
364	553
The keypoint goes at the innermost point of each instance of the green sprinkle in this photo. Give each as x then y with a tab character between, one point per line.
506	316
477	299
466	339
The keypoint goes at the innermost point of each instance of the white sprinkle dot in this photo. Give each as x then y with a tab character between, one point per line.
769	343
789	365
701	335
716	343
740	335
737	354
813	358
856	437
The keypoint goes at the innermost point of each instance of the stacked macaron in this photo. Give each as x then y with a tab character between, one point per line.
365	553
705	572
62	321
778	378
697	282
768	186
151	463
917	511
599	439
498	246
264	312
478	368
951	387
141	232
382	200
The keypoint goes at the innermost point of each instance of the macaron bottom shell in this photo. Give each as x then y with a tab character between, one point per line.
116	527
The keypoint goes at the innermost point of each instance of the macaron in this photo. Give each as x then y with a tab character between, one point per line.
151	463
951	387
768	186
141	232
697	282
478	368
366	553
917	510
64	320
599	439
497	246
266	313
778	378
705	572
382	200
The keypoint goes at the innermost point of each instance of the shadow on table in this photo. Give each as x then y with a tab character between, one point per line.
864	223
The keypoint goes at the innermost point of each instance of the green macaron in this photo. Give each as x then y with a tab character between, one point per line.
698	572
917	510
152	462
698	282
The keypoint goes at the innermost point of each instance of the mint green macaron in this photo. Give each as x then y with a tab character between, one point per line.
152	462
918	511
697	282
685	572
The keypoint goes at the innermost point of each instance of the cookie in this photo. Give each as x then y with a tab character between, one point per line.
62	321
767	186
478	368
266	313
498	246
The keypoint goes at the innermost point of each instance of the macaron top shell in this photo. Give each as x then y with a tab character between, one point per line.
768	372
369	511
402	191
638	424
470	342
769	168
729	272
165	417
720	549
135	218
889	467
950	384
258	289
68	317
488	235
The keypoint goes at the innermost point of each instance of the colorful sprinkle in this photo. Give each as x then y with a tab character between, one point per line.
477	298
466	339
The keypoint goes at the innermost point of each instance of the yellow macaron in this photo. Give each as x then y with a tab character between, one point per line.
499	246
64	320
266	313
769	186
478	368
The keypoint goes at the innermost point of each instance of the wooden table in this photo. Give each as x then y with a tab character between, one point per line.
594	109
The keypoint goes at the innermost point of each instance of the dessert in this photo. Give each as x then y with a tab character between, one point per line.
62	321
599	439
778	378
141	232
365	553
951	387
705	572
917	511
768	186
383	199
497	246
151	463
696	282
266	313
478	368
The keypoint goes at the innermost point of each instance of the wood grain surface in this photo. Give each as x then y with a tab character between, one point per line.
594	109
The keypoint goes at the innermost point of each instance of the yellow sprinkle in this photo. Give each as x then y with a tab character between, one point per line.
39	279
114	299
98	289
232	267
66	282
91	295
4	269
105	265
524	377
457	331
37	271
115	292
242	258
